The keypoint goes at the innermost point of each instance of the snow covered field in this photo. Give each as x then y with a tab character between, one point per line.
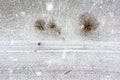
70	55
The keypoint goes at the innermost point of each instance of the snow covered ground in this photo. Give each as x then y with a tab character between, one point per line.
68	56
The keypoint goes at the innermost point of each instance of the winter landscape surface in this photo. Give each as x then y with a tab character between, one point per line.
26	53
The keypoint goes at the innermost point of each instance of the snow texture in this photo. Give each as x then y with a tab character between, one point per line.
64	55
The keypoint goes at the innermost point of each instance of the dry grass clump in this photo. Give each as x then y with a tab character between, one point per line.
50	28
53	26
40	24
89	23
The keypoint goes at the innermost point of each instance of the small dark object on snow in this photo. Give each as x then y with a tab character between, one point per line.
68	72
40	24
39	44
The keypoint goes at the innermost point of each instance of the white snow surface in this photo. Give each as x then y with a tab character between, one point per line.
69	56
